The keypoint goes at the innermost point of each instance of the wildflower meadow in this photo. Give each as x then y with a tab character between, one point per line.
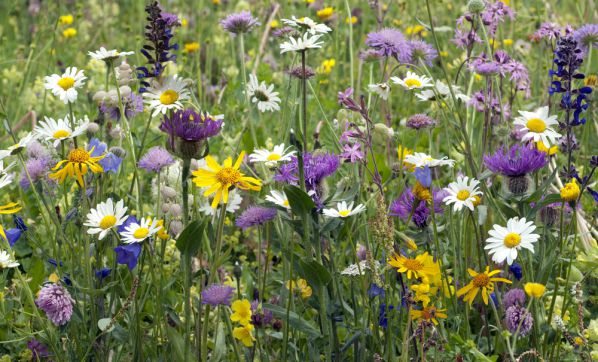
305	180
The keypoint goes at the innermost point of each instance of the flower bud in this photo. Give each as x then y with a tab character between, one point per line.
176	226
168	192
476	6
92	128
118	151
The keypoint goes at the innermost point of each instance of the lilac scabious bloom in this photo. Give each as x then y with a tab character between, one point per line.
133	105
56	302
156	159
128	254
39	351
549	31
586	37
187	130
38	169
255	215
391	43
422	51
513	297
519	160
238	23
403	207
420	121
370	55
217	294
517	315
316	168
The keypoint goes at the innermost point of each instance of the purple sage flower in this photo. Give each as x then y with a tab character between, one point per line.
516	315
513	297
255	215
56	302
156	159
518	161
217	294
391	43
238	23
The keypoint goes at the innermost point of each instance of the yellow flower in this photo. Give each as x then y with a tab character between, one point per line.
242	311
274	24
550	151
219	179
184	22
422	266
422	293
411	245
507	42
53	278
483	282
244	334
444	54
304	288
66	19
403	152
69	32
570	192
325	13
77	163
421	193
9	208
351	20
414	30
162	233
534	290
191	47
428	314
477	200
591	80
326	66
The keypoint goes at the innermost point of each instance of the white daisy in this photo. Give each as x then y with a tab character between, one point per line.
168	95
420	159
105	217
279	198
137	232
538	125
65	86
6	261
343	210
463	192
307	23
271	158
262	94
300	44
5	177
443	91
381	89
108	55
413	81
505	242
17	147
51	130
234	204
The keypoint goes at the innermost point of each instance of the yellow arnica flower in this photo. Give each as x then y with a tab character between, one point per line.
483	282
53	278
9	208
191	47
327	66
69	32
302	285
429	314
274	24
422	293
66	19
219	179
422	266
77	163
242	311
351	20
244	334
591	80
325	14
534	290
570	192
421	193
507	42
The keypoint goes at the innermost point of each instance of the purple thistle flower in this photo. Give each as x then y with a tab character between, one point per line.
255	215
586	37
190	129
422	51
419	121
128	254
518	161
156	159
237	23
56	302
39	351
513	297
391	43
514	316
316	168
217	294
403	207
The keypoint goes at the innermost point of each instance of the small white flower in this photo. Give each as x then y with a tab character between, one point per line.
5	178
354	270
343	210
271	158
167	95
65	86
538	126
381	89
54	131
462	193
504	242
108	55
413	81
279	198
137	232
234	203
443	91
420	159
6	261
105	217
14	149
300	44
263	95
306	23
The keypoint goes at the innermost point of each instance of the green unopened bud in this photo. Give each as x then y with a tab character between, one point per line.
476	6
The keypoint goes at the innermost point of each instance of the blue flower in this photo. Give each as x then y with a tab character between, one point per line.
515	268
130	220
103	273
376	291
110	162
382	318
13	235
424	176
19	223
128	254
54	262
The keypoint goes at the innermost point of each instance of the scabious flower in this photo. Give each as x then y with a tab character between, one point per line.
422	52
420	121
586	37
505	242
56	302
515	296
481	282
390	42
155	159
255	215
65	86
188	130
217	294
404	205
38	169
239	23
519	319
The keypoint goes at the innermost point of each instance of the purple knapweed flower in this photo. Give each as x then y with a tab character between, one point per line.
187	130
420	121
404	206
316	168
56	302
518	161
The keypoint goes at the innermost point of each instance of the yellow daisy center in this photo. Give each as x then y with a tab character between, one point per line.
412	82
413	264
285	203
66	83
481	280
141	233
512	240
428	312
78	155
273	157
344	213
107	222
169	97
463	195
536	125
62	133
228	175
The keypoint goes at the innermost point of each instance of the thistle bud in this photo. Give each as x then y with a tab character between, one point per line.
476	6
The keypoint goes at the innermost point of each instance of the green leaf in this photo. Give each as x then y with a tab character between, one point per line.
300	202
295	321
548	199
190	239
315	273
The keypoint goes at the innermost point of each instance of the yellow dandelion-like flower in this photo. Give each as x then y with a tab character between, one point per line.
325	13
570	192
191	47
429	314
483	282
422	266
69	33
244	334
242	312
78	162
66	19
